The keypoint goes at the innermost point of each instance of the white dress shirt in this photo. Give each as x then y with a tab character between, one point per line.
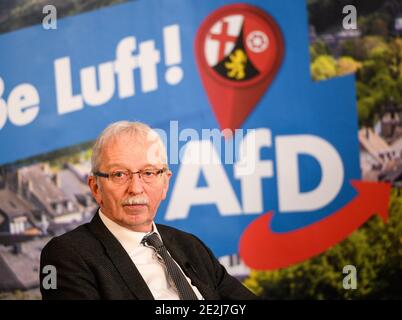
146	260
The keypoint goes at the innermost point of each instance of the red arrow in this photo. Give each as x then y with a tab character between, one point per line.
262	249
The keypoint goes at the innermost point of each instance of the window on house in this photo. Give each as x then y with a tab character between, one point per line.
59	208
70	206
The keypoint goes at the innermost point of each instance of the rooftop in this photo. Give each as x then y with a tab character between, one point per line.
20	270
13	205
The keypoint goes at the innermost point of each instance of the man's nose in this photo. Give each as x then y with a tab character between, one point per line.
135	185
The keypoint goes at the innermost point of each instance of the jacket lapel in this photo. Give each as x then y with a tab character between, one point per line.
120	259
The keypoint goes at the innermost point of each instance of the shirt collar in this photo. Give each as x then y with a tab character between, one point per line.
130	240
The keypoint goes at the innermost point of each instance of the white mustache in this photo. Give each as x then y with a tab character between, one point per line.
133	200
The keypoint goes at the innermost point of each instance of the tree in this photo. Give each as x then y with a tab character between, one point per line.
375	24
318	48
346	65
395	66
323	67
365	110
360	48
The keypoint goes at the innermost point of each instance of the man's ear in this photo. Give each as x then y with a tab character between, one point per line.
93	185
166	186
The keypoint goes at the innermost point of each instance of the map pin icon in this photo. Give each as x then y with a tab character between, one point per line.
239	48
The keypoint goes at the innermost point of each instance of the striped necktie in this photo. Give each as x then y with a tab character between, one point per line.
183	287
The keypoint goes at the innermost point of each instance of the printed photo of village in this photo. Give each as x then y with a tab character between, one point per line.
47	195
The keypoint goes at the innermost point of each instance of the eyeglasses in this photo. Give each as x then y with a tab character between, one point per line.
123	176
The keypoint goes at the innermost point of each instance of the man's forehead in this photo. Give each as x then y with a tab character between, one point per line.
150	152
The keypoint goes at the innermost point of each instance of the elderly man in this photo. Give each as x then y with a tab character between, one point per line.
122	253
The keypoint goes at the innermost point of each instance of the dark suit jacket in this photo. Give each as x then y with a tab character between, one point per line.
92	264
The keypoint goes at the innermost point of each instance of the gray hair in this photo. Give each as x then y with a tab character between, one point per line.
122	127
